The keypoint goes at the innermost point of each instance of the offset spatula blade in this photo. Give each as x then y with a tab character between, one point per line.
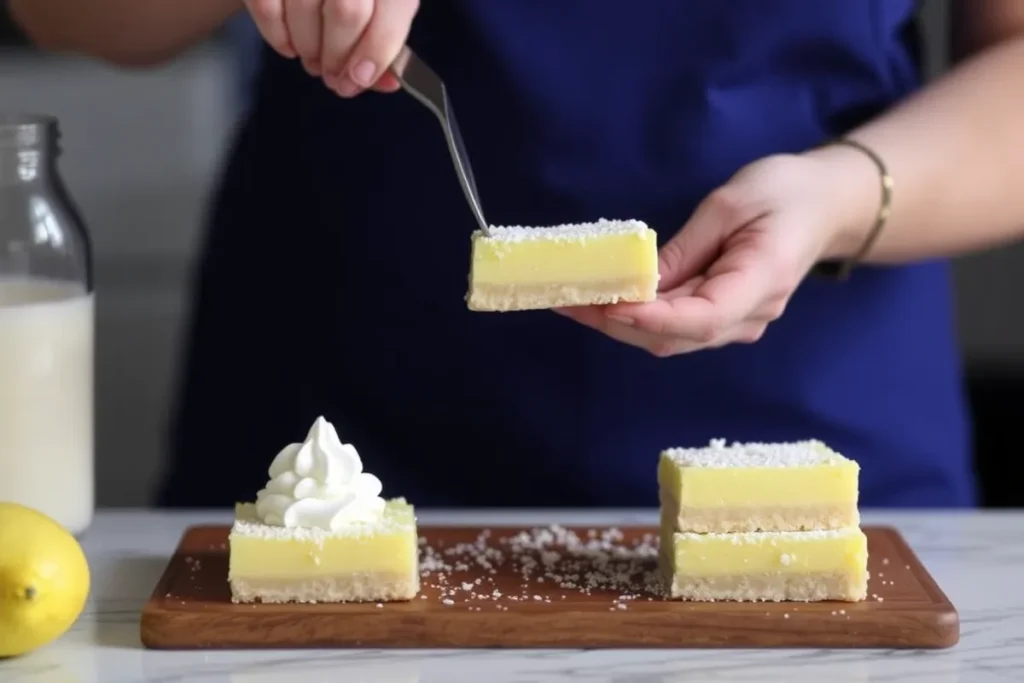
420	81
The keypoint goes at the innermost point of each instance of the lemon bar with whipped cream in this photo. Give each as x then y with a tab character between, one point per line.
517	268
795	486
829	564
320	531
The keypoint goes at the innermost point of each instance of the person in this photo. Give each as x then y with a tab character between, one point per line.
333	274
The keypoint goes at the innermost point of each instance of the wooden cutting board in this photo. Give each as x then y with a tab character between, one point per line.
470	604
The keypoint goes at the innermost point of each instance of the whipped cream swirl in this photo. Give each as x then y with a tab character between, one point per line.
319	483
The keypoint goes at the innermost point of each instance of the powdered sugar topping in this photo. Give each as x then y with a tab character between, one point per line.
566	232
248	524
790	454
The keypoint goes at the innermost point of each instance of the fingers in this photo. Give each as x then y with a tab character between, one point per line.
733	302
595	318
747	333
305	28
350	43
771	310
344	23
662	346
382	40
387	82
733	290
724	212
361	40
268	15
728	273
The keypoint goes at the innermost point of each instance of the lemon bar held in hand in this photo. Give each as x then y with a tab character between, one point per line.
517	268
721	488
809	566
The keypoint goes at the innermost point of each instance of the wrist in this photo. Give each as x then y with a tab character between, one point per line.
851	190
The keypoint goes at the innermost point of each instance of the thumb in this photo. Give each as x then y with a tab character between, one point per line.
699	241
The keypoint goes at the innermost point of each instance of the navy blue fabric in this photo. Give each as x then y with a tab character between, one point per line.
335	270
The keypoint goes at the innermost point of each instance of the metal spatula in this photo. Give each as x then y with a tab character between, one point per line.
420	81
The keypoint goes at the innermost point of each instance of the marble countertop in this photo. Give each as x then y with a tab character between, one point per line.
977	559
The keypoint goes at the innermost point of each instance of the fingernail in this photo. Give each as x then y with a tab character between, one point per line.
347	88
621	319
363	72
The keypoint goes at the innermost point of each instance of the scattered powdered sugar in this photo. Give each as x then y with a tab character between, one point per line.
719	455
542	565
574	232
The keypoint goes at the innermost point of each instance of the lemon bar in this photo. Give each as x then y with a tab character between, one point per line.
360	562
794	486
517	268
319	531
766	566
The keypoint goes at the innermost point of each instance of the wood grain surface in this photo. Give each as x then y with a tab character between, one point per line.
514	600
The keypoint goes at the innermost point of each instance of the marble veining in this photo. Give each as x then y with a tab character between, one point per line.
977	558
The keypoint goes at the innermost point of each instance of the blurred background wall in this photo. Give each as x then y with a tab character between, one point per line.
141	153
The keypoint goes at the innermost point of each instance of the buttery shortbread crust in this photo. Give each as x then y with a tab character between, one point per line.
775	587
364	587
733	519
512	297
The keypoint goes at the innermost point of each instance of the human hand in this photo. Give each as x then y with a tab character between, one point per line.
348	43
733	267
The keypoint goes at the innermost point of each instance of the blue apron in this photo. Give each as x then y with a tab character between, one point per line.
334	271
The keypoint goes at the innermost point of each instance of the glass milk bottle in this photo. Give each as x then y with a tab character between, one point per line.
46	330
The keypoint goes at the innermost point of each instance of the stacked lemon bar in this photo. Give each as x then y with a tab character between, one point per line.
761	522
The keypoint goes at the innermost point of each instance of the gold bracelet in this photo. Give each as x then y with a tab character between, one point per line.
843	270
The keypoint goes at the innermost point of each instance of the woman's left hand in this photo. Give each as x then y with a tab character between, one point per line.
731	270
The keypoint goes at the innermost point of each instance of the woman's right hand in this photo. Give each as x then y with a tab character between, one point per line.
348	43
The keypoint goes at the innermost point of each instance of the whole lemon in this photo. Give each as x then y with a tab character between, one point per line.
44	580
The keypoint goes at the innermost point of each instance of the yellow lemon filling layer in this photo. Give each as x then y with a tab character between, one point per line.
387	547
755	475
784	552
